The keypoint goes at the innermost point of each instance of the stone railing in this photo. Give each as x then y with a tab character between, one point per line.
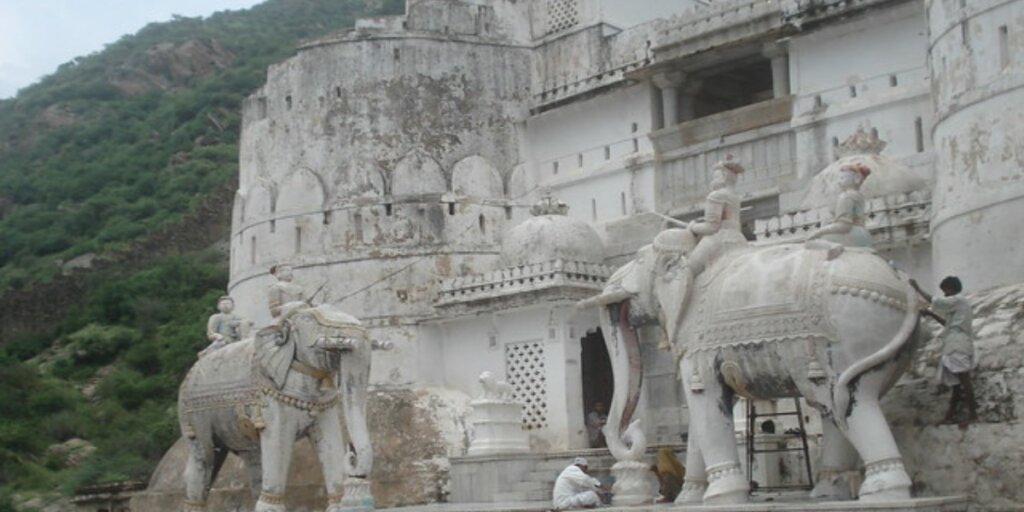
733	20
894	221
527	278
716	126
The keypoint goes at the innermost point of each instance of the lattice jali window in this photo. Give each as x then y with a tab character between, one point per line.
563	15
524	368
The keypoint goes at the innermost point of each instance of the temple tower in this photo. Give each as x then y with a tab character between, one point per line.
976	57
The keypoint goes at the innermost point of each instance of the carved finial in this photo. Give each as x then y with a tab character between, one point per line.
861	143
549	205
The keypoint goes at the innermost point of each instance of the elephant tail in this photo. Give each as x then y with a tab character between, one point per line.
841	392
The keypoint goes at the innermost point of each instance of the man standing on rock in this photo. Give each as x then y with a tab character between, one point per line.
957	338
575	489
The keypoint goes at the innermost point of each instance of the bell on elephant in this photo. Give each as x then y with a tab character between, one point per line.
256	397
768	322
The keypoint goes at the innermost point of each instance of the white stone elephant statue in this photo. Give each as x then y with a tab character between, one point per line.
765	323
256	397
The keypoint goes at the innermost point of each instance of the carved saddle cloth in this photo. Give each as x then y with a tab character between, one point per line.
760	295
223	378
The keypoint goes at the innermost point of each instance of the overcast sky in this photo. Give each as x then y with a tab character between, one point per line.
36	36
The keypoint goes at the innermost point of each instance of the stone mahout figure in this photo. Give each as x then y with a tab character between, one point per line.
256	397
225	326
766	322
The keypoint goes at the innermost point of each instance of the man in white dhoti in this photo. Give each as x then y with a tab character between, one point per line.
957	340
575	489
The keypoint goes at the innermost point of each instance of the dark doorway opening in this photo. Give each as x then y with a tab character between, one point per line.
598	383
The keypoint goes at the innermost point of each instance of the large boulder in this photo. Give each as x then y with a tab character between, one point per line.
986	460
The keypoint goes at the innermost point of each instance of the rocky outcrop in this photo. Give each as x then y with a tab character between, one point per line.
413	433
169	65
986	460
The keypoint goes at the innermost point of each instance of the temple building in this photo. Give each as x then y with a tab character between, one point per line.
460	176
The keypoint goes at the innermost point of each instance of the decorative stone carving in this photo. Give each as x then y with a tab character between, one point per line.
225	327
838	332
283	291
497	420
847	226
257	396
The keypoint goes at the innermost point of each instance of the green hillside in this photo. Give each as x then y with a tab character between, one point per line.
103	160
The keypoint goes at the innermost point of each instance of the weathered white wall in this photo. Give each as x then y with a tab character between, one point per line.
842	82
463	349
979	193
344	167
627	14
602	154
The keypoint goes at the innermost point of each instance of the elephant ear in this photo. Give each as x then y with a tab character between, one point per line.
672	289
275	350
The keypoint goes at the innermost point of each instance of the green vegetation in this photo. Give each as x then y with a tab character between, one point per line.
138	331
92	159
119	142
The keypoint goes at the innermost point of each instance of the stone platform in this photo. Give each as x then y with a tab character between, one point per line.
760	504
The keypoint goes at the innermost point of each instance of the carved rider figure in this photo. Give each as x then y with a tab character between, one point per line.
283	291
224	327
719	230
847	227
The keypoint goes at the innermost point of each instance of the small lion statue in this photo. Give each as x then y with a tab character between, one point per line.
495	389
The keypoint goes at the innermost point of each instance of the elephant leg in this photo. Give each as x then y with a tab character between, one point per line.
276	441
199	470
884	475
835	480
695	483
329	444
254	466
716	438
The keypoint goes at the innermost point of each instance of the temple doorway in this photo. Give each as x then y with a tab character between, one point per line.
598	384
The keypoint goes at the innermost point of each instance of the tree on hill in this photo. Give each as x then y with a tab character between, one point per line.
110	149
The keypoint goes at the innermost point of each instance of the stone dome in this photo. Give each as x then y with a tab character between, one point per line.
888	177
551	235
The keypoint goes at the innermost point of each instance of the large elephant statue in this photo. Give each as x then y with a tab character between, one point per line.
765	323
256	397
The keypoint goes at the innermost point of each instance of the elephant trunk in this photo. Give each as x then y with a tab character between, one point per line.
623	435
355	376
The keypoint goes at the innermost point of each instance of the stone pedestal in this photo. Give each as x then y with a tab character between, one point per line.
497	428
634	483
357	497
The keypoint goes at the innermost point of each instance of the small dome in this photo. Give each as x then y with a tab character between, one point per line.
887	177
551	235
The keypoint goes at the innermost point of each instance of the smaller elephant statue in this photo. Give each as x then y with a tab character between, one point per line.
495	389
256	397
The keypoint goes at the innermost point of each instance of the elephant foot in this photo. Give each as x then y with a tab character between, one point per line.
885	480
726	485
270	503
833	485
634	483
692	492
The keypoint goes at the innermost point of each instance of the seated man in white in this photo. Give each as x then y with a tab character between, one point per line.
574	488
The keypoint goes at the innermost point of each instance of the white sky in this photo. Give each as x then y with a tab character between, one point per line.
36	36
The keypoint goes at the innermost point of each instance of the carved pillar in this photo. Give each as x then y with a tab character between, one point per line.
669	84
688	100
779	55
